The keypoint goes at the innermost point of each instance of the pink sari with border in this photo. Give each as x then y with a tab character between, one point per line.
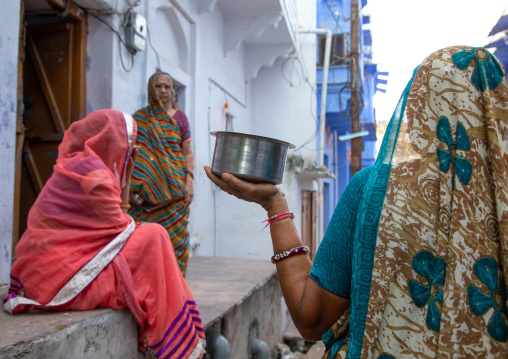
80	251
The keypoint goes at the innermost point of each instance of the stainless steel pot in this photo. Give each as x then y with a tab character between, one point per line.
250	157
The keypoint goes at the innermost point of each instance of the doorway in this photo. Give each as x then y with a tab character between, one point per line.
309	221
52	74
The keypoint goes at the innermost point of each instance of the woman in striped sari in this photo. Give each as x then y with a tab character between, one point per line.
161	187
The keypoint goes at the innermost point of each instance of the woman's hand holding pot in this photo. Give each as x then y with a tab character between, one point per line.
265	194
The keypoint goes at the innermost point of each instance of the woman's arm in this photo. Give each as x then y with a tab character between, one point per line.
189	162
312	308
125	190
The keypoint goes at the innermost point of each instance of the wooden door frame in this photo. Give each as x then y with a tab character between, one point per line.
20	128
309	221
78	101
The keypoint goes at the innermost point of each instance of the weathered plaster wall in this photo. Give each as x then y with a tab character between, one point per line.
190	45
102	333
219	78
266	306
284	107
9	30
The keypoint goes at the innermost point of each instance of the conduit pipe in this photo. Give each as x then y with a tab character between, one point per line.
217	346
324	88
322	118
259	349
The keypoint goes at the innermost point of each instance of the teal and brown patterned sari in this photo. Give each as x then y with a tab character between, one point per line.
419	241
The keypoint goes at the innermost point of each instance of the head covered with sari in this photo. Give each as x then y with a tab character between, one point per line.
159	174
153	99
78	211
430	252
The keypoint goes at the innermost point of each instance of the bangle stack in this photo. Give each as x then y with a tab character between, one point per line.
289	253
278	217
125	206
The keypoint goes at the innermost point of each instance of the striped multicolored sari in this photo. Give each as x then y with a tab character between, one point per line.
80	251
160	172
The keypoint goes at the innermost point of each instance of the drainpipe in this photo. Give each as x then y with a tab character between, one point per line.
257	349
217	346
322	116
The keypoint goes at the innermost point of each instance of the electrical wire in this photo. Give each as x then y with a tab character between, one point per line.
126	18
120	39
121	59
153	48
335	18
297	58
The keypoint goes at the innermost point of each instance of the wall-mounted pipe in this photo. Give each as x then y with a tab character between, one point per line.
217	346
324	87
257	348
68	8
322	117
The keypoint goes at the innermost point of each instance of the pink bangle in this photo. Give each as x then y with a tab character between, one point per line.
289	253
278	217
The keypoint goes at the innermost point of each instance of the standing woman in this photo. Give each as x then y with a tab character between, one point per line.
161	187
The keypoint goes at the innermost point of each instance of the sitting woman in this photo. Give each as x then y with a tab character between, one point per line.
82	251
414	261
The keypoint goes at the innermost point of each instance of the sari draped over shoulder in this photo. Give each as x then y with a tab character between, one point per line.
160	171
419	241
80	251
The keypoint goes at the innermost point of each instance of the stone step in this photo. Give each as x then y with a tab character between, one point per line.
230	293
99	333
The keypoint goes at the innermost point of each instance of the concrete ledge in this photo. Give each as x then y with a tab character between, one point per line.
99	333
231	294
221	284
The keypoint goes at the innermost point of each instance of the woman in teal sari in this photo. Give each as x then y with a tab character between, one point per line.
413	262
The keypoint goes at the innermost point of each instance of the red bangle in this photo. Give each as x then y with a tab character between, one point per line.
278	217
289	253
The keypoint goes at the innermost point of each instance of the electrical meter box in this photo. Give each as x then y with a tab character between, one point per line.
135	32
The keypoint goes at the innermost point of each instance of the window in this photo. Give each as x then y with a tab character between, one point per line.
229	122
338	51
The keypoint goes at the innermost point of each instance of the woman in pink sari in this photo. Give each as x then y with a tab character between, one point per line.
81	250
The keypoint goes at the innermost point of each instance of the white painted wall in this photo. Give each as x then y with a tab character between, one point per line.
190	45
286	110
9	35
271	107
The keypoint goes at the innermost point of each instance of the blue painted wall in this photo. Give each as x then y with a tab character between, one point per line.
500	46
335	15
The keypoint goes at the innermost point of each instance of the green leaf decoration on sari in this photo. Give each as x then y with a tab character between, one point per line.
487	69
434	270
463	168
486	271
